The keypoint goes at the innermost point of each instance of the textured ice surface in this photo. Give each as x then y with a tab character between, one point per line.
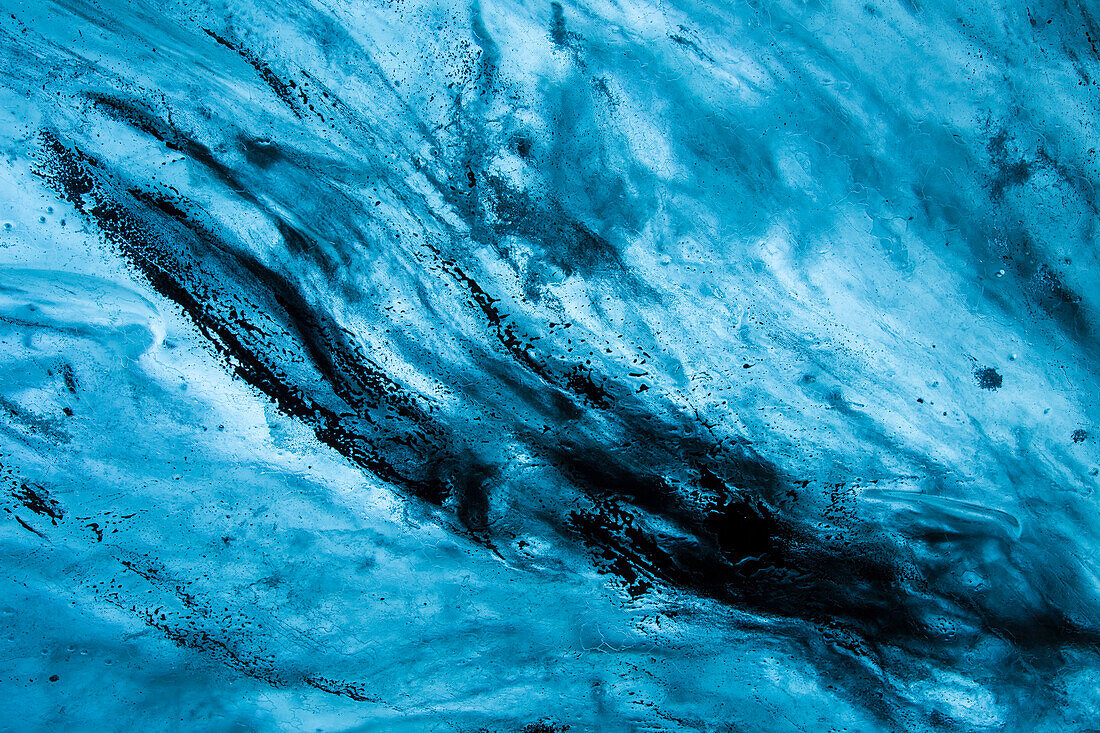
625	365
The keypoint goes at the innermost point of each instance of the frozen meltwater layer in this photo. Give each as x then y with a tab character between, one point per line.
512	366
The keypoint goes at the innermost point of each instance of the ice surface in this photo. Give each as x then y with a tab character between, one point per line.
508	366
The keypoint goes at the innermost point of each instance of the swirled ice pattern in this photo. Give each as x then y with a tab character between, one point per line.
610	365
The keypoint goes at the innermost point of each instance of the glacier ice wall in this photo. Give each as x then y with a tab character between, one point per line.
530	366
